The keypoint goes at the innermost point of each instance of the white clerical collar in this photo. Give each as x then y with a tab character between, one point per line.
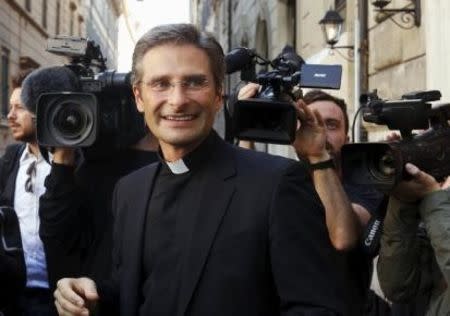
177	167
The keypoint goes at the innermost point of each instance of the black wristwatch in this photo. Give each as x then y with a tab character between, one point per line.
326	164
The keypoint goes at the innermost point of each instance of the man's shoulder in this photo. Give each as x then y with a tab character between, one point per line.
10	157
139	175
263	162
12	150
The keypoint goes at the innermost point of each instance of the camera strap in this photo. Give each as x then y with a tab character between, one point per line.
371	239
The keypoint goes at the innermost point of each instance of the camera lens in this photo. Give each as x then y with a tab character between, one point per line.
386	164
382	165
71	121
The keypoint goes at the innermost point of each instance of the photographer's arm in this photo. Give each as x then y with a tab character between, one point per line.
310	144
60	205
435	212
399	265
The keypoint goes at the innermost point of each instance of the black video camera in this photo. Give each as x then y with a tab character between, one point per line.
382	164
99	113
270	116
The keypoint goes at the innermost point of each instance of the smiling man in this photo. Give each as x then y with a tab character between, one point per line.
210	229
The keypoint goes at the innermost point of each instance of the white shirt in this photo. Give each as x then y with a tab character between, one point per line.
26	205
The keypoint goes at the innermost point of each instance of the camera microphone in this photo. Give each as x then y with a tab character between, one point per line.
45	80
289	58
238	58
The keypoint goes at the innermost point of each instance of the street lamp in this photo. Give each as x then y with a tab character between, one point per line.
407	13
331	25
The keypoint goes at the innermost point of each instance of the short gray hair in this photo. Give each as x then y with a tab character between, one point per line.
179	34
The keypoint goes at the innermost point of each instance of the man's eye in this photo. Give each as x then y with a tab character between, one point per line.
195	83
332	125
160	85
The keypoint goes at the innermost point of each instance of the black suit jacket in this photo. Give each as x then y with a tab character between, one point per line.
12	263
258	243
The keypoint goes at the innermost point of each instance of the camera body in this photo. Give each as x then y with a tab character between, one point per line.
382	164
98	113
270	116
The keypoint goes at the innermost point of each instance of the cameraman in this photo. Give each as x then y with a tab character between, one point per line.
323	131
415	245
75	211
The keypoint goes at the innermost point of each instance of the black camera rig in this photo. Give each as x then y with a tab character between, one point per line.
99	114
382	164
270	116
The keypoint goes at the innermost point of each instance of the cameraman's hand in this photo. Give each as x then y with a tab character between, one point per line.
248	91
75	297
393	136
64	156
415	189
311	138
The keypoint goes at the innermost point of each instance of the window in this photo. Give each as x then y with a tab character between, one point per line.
28	5
44	13
58	16
71	22
80	26
4	82
73	8
339	4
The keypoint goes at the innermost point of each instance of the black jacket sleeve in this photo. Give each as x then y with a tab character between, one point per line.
63	225
12	263
61	208
302	257
108	290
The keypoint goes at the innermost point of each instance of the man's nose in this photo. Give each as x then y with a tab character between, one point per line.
177	95
11	114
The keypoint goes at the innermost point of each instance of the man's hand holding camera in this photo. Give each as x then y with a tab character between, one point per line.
419	186
310	140
64	156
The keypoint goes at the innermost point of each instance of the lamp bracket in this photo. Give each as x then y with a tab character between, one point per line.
410	17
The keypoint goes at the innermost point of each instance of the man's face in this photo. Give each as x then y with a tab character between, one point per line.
335	125
20	120
178	96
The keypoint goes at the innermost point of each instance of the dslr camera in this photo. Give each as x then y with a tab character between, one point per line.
270	116
382	164
99	113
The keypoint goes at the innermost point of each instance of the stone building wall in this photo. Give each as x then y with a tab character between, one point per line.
398	60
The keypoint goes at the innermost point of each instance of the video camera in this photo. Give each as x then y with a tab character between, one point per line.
98	112
270	116
382	164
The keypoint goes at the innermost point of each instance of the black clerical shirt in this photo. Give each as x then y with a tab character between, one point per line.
176	194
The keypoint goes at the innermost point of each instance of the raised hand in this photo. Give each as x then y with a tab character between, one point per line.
311	139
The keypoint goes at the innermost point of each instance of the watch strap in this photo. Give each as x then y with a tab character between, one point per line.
326	164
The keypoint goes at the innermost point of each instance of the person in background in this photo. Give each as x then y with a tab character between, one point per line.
23	170
414	255
323	130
